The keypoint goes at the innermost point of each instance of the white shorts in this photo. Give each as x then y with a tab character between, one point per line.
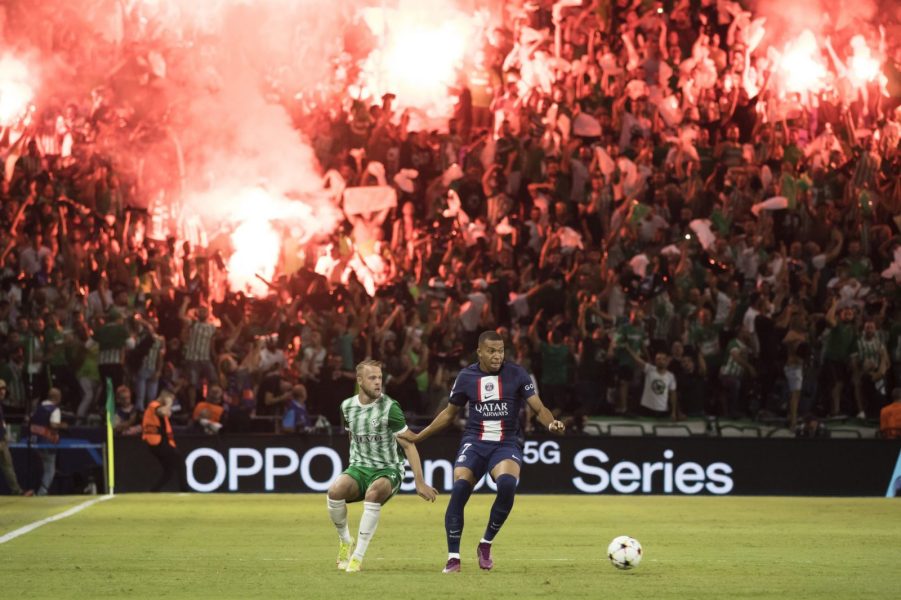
795	376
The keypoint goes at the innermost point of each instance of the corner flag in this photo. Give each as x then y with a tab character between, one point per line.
110	452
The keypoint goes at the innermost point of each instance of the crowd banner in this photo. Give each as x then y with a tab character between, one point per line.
358	200
559	465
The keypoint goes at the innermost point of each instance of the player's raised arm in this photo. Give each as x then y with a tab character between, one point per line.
441	421
545	417
426	492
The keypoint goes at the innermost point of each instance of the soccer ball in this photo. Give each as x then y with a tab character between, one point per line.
624	552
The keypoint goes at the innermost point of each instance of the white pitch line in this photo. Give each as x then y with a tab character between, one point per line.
32	526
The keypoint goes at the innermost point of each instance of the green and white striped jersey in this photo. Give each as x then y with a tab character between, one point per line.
869	349
372	428
731	367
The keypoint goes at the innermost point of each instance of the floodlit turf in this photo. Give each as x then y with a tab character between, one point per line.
18	512
281	546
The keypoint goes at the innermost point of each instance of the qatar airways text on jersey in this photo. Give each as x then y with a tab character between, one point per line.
495	400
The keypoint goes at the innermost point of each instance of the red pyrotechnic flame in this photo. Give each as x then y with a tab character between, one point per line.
863	67
260	221
256	244
15	92
802	67
421	46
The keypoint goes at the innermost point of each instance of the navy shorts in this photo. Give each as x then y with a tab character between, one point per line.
481	457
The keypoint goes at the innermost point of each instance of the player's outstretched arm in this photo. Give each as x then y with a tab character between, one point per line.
545	417
426	492
442	420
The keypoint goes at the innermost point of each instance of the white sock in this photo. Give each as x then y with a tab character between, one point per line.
368	524
484	541
451	555
337	510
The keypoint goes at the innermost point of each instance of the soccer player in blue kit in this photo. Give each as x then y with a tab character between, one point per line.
496	391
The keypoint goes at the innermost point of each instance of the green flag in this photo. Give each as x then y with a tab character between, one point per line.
721	222
639	212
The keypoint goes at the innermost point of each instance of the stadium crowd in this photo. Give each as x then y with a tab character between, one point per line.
653	225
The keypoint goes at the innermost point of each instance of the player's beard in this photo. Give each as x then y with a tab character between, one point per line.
371	393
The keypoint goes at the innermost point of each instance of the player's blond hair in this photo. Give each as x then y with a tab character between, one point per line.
368	363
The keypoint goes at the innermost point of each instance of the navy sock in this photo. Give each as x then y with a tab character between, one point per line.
503	504
453	518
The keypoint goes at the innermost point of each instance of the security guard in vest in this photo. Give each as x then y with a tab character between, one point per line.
158	435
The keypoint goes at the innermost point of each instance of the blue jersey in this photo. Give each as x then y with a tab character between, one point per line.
495	400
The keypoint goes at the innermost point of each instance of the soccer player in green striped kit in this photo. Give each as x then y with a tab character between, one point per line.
376	426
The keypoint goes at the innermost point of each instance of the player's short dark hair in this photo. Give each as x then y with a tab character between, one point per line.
490	336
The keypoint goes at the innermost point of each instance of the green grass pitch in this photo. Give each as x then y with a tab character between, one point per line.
283	546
